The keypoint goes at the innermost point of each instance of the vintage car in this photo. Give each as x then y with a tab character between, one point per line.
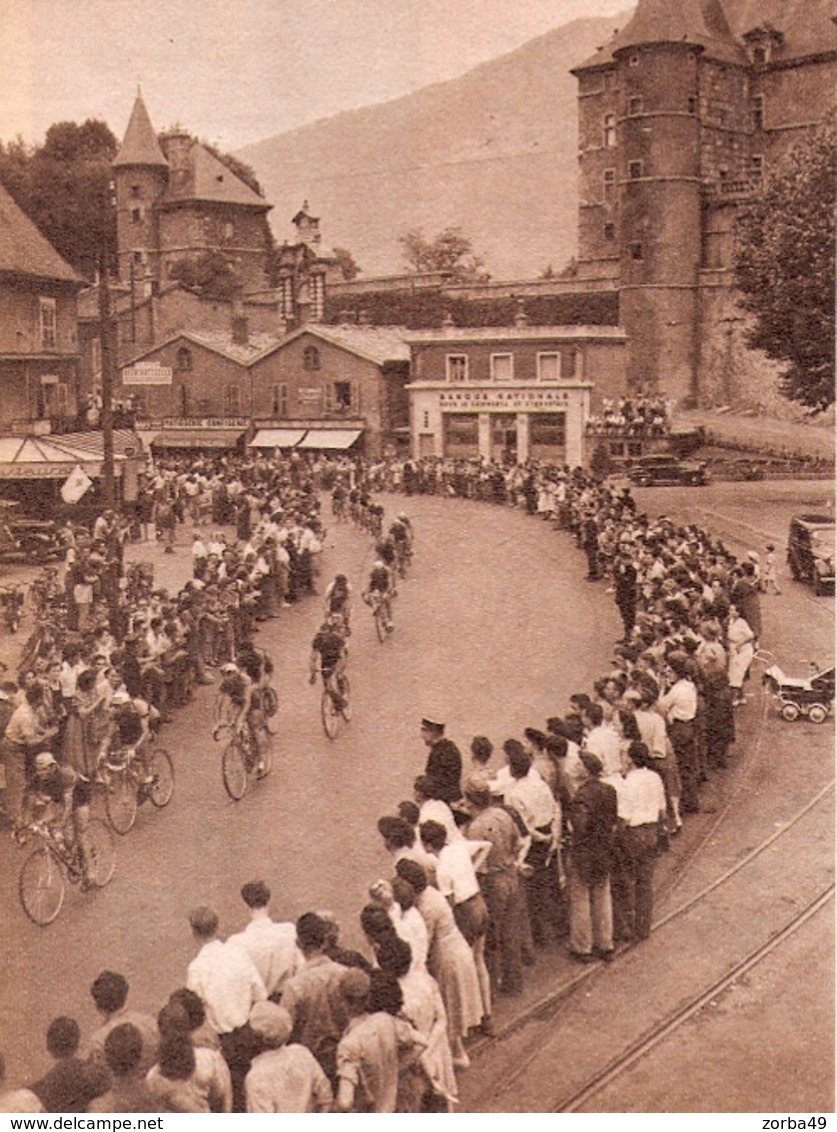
648	471
27	540
811	550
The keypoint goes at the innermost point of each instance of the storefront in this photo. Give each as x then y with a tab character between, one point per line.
507	394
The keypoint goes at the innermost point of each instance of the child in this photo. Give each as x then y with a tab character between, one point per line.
769	577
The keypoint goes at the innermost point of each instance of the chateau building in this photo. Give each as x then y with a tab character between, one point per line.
682	115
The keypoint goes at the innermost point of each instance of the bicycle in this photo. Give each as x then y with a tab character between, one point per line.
334	703
129	780
383	623
41	884
270	708
244	758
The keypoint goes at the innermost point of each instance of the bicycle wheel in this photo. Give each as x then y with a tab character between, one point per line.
233	770
331	717
100	852
162	771
380	626
121	800
345	691
41	886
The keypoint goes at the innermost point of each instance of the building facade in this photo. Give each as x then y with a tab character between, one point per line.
682	115
39	351
509	394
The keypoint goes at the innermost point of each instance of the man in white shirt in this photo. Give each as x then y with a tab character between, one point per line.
600	739
225	979
679	707
271	945
641	803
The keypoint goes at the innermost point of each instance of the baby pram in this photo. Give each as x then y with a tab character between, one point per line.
811	697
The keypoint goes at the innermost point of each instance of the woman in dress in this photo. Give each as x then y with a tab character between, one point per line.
450	960
740	640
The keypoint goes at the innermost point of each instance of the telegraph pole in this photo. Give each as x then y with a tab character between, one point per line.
108	360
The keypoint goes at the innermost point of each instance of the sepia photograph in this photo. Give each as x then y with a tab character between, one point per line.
417	477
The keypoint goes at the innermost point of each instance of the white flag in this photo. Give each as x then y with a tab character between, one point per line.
75	485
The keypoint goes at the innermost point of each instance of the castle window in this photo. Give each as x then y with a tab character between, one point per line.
610	130
757	167
48	312
280	400
502	367
758	112
635	105
229	230
609	182
310	358
633	61
342	396
183	360
692	104
136	192
457	367
139	257
136	215
610	231
759	55
634	170
635	251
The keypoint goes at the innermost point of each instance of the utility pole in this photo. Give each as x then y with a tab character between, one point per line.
108	359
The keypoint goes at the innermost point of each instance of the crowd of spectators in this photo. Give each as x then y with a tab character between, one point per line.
493	858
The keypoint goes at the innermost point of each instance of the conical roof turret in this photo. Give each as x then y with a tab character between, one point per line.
700	23
140	145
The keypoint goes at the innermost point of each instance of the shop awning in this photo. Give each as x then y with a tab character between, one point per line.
46	457
198	438
330	438
277	438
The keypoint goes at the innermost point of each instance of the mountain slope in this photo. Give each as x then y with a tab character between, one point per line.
493	151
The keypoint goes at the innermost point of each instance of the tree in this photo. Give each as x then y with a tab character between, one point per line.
450	251
784	268
209	275
63	187
347	263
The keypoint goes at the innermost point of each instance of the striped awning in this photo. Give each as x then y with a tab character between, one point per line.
334	438
277	438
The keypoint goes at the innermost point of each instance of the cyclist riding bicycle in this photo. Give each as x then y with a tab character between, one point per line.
379	590
338	501
258	665
234	708
338	600
131	730
59	798
328	654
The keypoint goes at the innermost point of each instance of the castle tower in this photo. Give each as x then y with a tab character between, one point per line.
141	175
641	171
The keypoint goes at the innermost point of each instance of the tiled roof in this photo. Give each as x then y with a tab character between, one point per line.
24	250
378	343
718	26
213	181
140	145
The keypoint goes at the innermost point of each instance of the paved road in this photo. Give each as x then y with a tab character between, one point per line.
495	628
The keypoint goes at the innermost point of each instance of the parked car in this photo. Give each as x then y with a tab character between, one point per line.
811	550
663	469
27	540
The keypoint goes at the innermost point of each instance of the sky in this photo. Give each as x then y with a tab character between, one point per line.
236	71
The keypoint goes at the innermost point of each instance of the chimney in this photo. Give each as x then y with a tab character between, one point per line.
447	320
240	326
521	318
363	318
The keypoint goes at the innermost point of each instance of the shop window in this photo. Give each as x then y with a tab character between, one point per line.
502	367
634	170
548	430
456	366
48	312
311	358
610	131
279	406
461	434
183	360
549	367
342	396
